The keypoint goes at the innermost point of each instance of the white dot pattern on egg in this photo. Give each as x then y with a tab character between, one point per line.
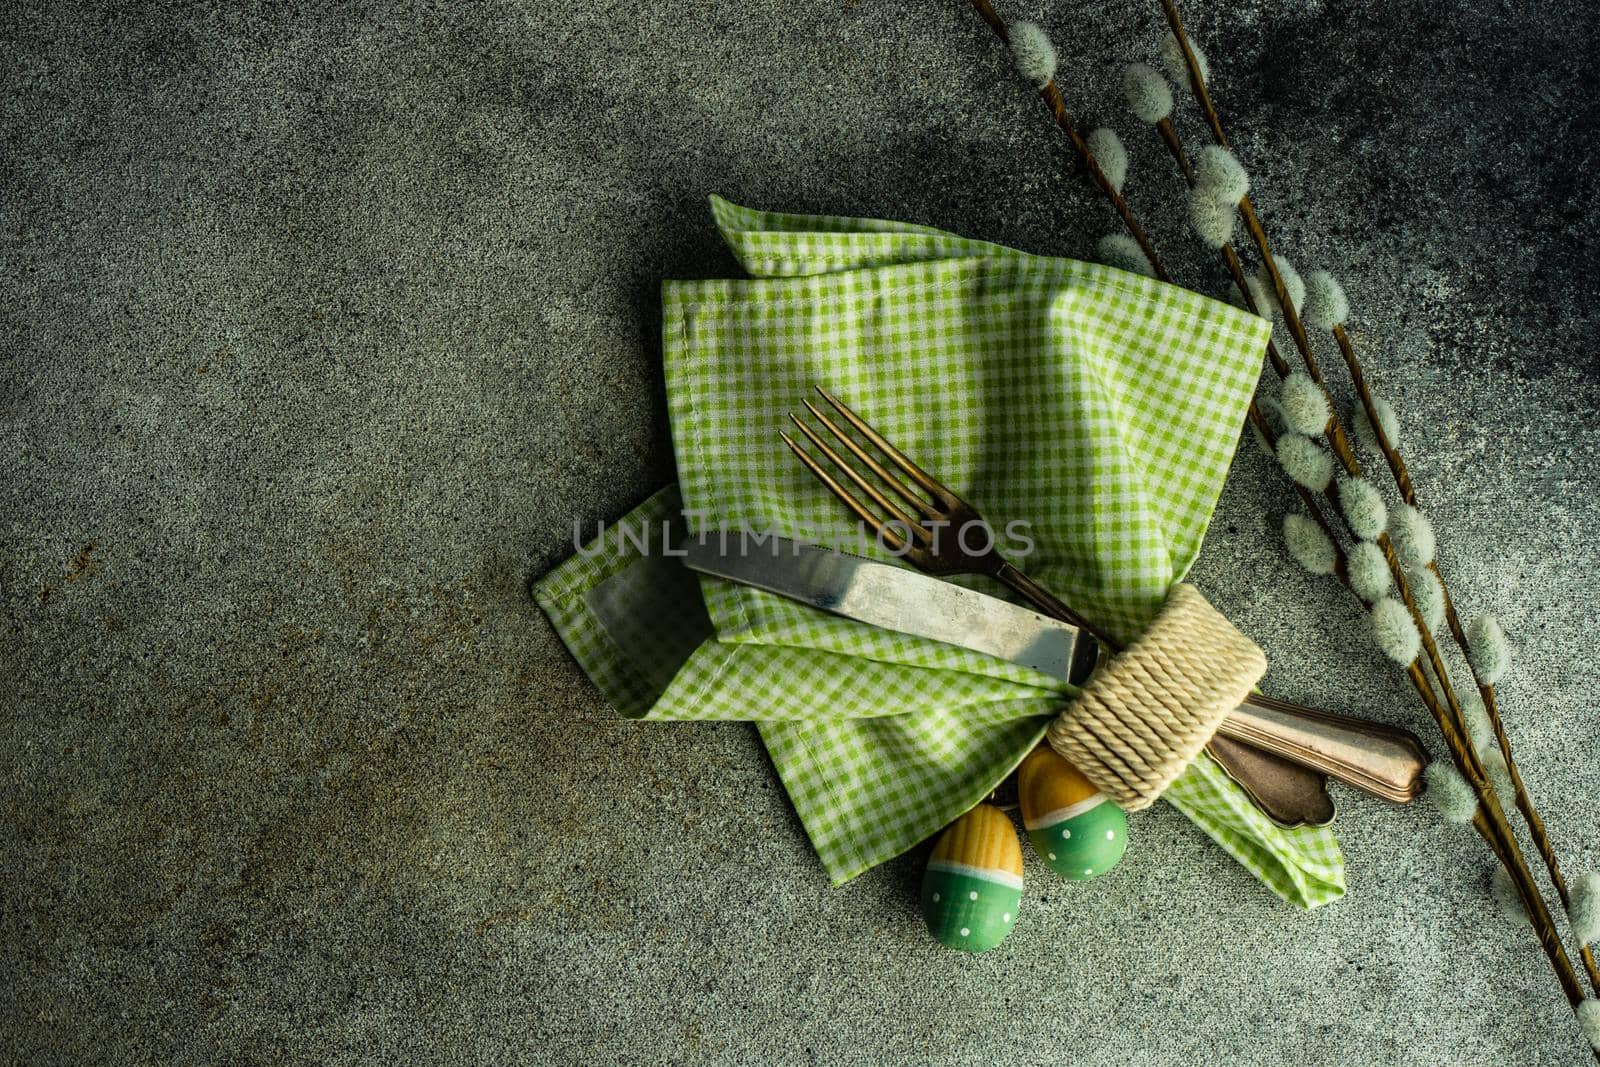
1111	835
966	931
1065	834
936	895
972	895
1006	917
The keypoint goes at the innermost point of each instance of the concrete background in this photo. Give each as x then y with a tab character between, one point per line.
323	324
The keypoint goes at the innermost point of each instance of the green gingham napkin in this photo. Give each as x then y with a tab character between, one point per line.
1098	407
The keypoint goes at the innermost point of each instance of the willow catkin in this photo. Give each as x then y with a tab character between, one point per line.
1412	534
1368	571
1480	729
1305	404
1585	908
1499	772
1506	898
1172	59
1387	419
1220	174
1211	217
1589	1021
1123	252
1259	303
1428	592
1486	649
1149	95
1291	284
1033	54
1309	544
1305	461
1326	306
1395	632
1450	793
1111	154
1363	508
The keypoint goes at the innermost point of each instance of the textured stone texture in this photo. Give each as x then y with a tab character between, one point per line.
321	327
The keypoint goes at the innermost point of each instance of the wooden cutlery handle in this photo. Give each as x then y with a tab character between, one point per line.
1383	760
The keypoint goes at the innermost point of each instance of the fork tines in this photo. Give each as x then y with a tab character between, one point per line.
892	523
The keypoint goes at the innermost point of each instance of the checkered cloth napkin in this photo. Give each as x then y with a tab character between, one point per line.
1099	408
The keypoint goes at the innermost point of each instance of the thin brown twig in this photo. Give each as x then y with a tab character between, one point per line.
1486	690
1470	764
1057	103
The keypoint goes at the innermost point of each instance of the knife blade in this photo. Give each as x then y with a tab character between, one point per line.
898	599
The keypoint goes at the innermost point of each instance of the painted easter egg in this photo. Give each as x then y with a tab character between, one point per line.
1076	828
973	884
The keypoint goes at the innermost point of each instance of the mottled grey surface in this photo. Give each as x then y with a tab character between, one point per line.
322	326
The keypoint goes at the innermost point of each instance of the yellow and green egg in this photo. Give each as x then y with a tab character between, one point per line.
1073	826
973	883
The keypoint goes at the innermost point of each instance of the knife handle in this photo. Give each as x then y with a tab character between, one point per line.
1383	760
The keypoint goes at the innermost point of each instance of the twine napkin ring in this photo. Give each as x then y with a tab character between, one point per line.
1144	715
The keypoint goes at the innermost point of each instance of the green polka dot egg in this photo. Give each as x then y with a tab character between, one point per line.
973	884
1074	827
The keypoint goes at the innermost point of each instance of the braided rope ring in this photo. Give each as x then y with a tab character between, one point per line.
1142	717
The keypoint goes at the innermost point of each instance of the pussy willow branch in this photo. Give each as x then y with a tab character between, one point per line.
1169	136
1408	493
1492	824
1337	439
1230	257
1486	690
1058	110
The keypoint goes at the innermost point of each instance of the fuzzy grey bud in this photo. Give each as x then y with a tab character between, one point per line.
1585	909
1499	772
1262	444
1305	405
1428	593
1292	284
1309	544
1386	418
1172	59
1450	793
1109	152
1589	1021
1394	631
1326	305
1487	650
1480	728
1412	534
1506	898
1123	252
1368	571
1363	508
1220	175
1305	461
1033	54
1212	219
1147	91
1259	302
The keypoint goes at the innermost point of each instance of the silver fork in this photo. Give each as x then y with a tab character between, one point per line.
1288	748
